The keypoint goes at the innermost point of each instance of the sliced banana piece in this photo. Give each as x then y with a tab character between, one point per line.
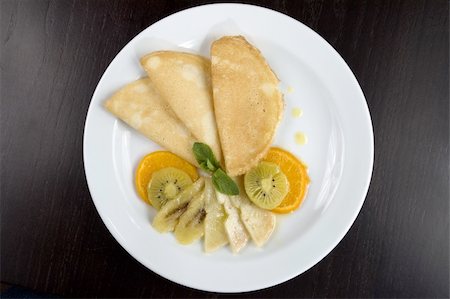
167	218
191	225
259	223
235	229
215	234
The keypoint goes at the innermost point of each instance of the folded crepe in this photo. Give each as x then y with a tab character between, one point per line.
183	80
247	102
140	106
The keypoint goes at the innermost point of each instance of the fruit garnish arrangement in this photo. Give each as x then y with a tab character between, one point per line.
219	177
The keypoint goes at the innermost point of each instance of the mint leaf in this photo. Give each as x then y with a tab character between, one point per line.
205	157
210	165
204	166
207	161
223	183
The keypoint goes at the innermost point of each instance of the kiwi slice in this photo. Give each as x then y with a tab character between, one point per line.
191	225
166	184
266	185
167	218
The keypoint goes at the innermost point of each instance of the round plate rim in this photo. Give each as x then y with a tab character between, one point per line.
277	281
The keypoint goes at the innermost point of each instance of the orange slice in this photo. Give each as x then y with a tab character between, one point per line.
156	161
297	175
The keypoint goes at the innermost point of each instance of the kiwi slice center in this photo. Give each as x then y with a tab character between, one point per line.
171	190
267	184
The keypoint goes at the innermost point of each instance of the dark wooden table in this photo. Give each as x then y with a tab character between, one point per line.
53	53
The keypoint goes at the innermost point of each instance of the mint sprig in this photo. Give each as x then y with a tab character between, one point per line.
223	183
205	157
208	162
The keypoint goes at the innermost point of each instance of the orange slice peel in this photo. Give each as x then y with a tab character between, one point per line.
156	161
297	174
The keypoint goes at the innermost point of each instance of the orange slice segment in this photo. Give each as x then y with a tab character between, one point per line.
297	174
156	161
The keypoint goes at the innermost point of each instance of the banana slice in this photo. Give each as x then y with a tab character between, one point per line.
215	234
167	218
191	226
259	223
235	229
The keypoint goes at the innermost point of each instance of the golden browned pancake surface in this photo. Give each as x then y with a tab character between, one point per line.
247	102
184	81
140	106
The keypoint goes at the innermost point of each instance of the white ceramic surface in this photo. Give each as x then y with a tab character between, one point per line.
339	151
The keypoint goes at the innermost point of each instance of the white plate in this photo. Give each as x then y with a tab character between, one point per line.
339	152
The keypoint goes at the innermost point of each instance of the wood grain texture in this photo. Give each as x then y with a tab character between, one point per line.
53	54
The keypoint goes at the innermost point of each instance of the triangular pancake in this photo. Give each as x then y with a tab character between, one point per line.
183	80
140	106
248	104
